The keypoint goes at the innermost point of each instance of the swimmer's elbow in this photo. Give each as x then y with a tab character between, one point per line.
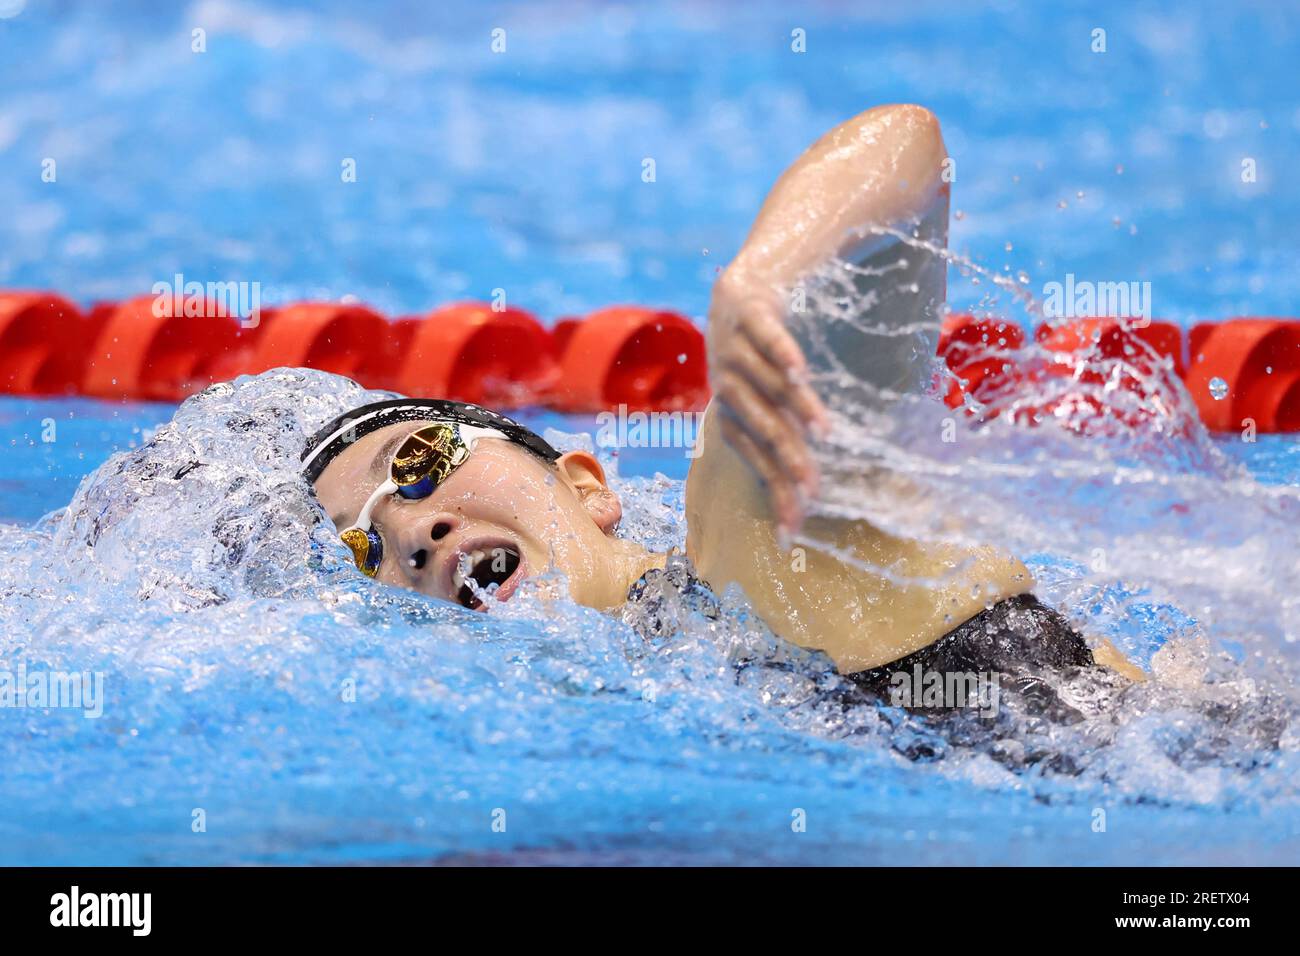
918	139
908	122
912	115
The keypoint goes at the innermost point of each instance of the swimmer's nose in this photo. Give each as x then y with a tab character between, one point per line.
420	542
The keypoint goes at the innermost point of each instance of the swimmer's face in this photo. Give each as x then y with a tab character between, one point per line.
500	517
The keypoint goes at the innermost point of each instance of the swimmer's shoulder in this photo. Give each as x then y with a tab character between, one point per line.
825	593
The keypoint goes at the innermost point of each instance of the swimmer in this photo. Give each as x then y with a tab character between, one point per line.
459	502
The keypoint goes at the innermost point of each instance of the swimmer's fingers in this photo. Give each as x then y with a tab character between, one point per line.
777	386
760	385
780	487
771	426
778	365
772	442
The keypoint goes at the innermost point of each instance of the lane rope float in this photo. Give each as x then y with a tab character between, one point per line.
1237	371
1240	372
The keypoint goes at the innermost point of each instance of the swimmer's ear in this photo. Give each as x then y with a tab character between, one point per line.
582	472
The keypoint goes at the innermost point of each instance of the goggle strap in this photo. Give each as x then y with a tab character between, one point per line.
363	519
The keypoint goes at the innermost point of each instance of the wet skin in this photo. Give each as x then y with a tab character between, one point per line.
503	515
747	486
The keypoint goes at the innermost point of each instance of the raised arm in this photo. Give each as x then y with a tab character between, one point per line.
880	168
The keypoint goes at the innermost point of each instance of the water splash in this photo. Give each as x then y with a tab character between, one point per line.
251	669
1133	521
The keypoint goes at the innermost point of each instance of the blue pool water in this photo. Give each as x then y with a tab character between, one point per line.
229	670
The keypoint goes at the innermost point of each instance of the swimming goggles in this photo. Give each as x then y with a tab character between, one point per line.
421	463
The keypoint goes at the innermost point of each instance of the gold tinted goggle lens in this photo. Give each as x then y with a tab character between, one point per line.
360	544
425	459
421	463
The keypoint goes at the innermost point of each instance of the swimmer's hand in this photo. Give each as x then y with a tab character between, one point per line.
760	384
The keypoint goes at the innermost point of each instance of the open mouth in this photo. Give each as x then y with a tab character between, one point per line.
484	571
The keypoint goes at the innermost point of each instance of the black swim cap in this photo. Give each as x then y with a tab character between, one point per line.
330	442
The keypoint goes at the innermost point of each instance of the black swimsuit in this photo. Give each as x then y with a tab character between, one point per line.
1017	639
1031	651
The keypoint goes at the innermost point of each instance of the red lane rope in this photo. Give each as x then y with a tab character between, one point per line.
627	355
1243	372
